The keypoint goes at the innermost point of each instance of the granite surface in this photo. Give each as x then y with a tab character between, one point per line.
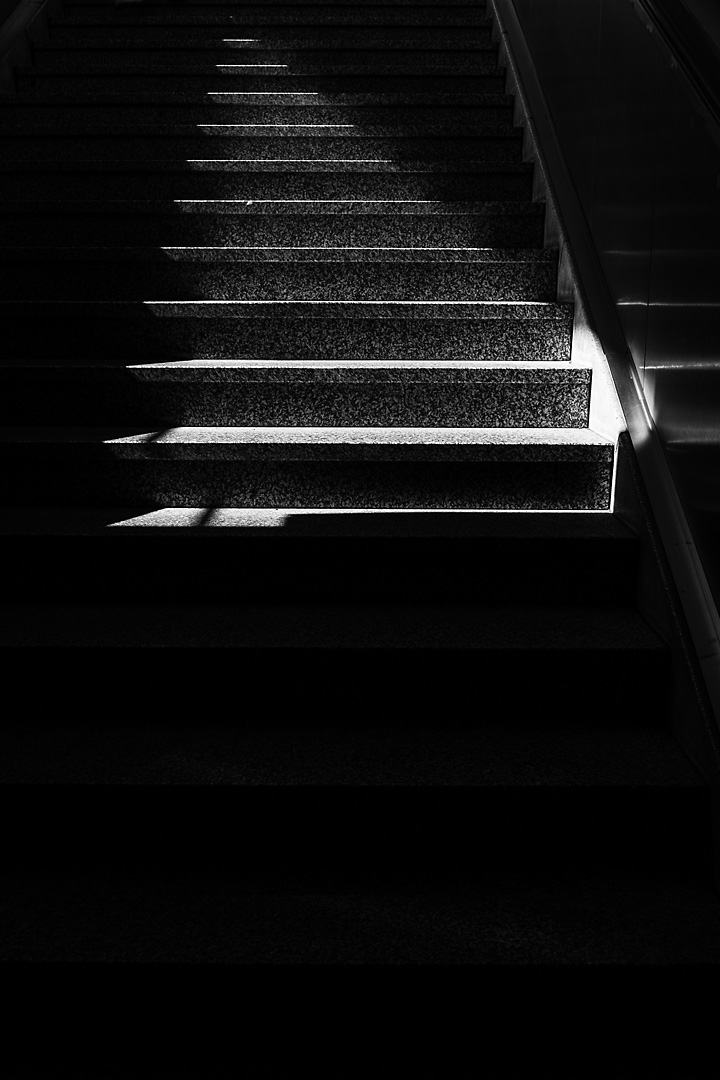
106	478
145	337
514	183
287	280
339	122
239	80
505	227
276	16
333	395
63	60
203	35
497	150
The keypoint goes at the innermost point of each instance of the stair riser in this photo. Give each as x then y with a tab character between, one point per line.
238	80
330	339
205	35
288	61
100	479
237	122
47	190
295	281
500	151
277	16
41	397
317	570
361	835
271	230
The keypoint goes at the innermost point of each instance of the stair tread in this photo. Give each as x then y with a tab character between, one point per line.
271	308
494	440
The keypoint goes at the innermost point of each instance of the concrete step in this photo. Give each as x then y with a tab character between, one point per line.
199	225
204	35
55	192
61	556
339	121
153	61
247	79
400	468
505	279
371	393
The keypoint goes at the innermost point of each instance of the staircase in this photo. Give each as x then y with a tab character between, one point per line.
320	632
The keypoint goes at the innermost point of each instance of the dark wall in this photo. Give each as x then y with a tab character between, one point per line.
644	156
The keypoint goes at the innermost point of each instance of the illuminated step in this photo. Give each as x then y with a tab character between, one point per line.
502	225
312	393
502	279
338	121
254	80
441	468
89	192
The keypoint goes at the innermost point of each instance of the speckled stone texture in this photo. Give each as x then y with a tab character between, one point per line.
181	280
500	226
519	485
512	183
140	339
233	79
246	395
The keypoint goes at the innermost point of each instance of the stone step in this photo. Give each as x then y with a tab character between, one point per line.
307	557
275	16
339	121
131	100
394	468
255	148
248	38
247	80
370	393
56	192
153	61
133	333
505	279
199	225
111	6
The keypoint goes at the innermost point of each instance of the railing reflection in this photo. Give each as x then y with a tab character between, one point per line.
633	89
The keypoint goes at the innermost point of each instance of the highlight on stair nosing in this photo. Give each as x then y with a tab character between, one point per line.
481	438
506	310
309	521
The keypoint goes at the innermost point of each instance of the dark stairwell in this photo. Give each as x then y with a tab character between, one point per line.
327	687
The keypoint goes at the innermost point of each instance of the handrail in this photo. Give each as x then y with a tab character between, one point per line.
700	611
